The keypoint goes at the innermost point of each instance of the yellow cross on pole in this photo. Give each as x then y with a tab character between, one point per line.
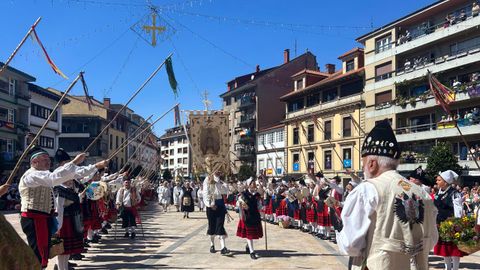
154	28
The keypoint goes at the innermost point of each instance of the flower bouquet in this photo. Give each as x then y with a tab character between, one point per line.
461	231
284	222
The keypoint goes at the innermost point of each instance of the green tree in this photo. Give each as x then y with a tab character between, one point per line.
167	175
244	172
441	159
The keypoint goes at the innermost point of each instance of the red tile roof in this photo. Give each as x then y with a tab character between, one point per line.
354	50
334	77
312	72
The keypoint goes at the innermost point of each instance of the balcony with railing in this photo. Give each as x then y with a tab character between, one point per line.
246	154
417	67
445	128
426	33
246	102
410	99
246	120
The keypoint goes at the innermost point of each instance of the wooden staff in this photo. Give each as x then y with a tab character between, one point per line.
128	102
134	132
19	45
138	135
135	152
32	143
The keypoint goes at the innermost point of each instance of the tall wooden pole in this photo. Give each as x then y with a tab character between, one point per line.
19	45
128	102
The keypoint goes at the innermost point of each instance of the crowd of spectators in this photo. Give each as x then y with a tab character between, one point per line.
11	199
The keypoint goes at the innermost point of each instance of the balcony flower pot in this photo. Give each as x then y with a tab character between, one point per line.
413	101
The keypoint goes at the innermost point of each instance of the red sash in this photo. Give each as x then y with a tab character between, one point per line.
41	234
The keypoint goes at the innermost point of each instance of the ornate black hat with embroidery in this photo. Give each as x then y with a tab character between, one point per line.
381	141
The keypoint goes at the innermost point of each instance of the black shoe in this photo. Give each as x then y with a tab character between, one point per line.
184	216
126	235
85	244
224	251
76	257
212	249
72	264
94	240
132	236
104	230
253	255
247	249
108	226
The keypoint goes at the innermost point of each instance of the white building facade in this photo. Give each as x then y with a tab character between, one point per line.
42	103
176	152
271	151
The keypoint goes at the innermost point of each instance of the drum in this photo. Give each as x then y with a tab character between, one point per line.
95	191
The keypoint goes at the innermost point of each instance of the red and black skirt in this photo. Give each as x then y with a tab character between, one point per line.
91	218
447	249
282	209
311	215
323	217
72	238
249	232
269	207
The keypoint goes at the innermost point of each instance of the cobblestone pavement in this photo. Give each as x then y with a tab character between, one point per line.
170	242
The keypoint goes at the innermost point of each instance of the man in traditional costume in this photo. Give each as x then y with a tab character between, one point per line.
250	222
418	177
449	204
388	222
128	197
187	199
36	188
213	191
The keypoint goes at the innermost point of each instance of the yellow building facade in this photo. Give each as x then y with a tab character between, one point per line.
325	120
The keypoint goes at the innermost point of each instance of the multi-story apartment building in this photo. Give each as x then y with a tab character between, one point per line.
443	38
42	103
324	118
252	100
80	126
14	116
175	152
271	151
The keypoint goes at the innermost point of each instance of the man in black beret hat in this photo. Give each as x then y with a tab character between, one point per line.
389	223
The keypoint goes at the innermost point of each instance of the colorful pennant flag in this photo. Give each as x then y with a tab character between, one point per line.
85	89
171	75
443	95
49	60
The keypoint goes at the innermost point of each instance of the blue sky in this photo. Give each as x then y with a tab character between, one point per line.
213	42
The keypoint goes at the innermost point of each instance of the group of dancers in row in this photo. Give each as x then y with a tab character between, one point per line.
75	204
383	221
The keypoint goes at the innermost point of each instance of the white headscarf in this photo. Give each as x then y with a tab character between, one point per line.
449	176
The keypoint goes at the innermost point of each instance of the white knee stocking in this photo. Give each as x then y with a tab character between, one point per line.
456	263
222	241
250	245
62	262
448	263
212	240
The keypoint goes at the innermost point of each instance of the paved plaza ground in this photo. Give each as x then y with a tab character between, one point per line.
171	242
